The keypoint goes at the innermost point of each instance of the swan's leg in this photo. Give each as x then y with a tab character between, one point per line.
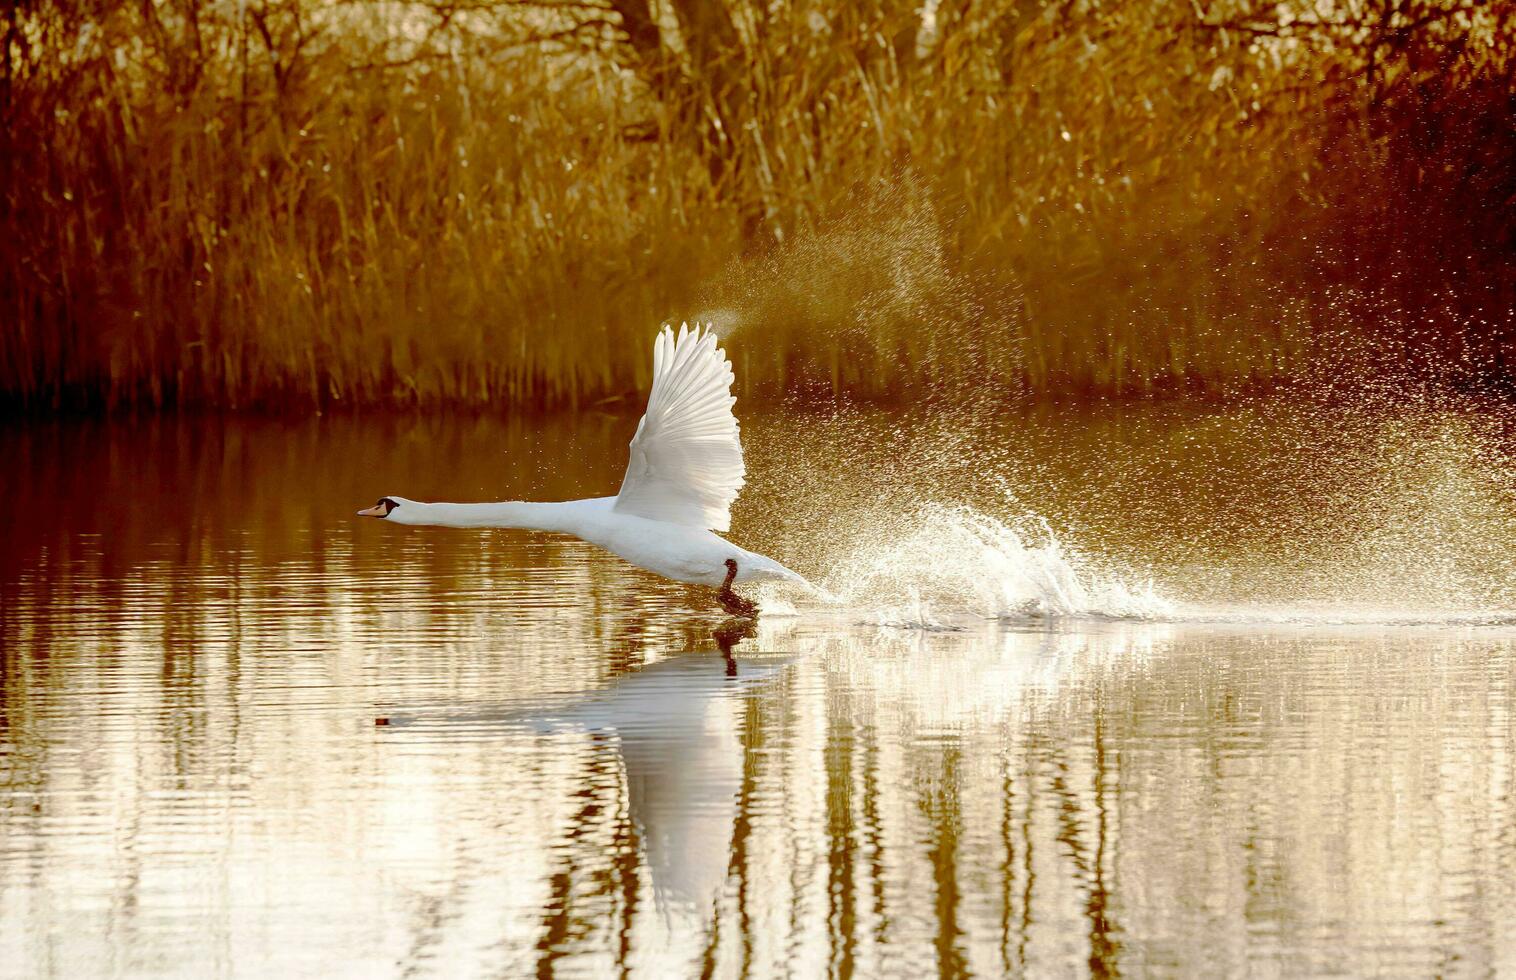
733	603
731	633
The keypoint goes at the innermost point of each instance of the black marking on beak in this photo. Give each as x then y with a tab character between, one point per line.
382	508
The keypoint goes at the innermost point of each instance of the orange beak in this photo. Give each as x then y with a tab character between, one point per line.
375	511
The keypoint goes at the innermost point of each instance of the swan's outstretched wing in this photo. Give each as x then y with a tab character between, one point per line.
686	460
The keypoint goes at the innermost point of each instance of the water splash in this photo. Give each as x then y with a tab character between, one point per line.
868	299
950	568
945	564
1268	513
1365	496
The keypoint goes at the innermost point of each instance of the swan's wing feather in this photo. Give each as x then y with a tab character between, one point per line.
686	458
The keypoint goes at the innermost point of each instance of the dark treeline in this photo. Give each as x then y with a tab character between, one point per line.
292	203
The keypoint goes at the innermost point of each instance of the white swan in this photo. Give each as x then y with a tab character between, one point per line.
685	470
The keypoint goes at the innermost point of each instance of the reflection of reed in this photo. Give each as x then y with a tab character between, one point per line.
946	828
579	903
842	843
753	743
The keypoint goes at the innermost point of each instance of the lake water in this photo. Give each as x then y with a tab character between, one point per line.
1157	690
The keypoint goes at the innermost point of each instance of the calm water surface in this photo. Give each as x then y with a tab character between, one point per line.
1161	691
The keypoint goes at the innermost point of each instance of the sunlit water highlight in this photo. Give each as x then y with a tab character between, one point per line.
1153	691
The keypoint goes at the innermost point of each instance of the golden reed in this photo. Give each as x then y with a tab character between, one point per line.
271	205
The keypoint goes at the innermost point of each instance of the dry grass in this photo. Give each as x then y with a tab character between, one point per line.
1069	200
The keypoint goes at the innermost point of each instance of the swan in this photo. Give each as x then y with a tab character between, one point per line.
684	471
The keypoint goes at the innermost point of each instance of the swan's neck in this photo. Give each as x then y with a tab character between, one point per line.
513	513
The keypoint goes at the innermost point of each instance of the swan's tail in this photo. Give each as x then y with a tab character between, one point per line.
795	578
769	570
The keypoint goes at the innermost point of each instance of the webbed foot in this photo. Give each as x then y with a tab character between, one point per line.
734	604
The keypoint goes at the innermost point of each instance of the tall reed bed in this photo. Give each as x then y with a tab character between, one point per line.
293	205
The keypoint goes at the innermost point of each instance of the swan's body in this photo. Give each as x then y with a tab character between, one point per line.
685	470
685	554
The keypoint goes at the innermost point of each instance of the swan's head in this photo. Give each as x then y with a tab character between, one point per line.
383	507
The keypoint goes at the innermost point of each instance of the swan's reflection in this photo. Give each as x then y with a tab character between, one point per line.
676	727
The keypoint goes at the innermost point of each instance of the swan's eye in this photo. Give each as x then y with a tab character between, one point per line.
387	504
